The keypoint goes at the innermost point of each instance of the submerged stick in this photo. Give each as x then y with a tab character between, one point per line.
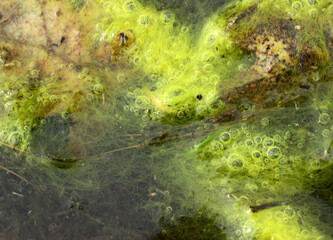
258	208
17	175
12	147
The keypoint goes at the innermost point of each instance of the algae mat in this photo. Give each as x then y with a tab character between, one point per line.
153	119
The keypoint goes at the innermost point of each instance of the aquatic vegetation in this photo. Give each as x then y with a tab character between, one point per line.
221	64
199	226
285	51
78	4
126	103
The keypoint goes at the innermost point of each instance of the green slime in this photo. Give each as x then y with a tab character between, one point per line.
276	159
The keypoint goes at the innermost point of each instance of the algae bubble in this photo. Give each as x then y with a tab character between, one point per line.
324	118
265	121
274	153
225	137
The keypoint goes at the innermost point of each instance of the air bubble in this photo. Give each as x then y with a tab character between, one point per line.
153	77
324	118
207	126
130	6
145	118
265	121
34	73
144	20
98	88
325	133
208	67
241	67
137	91
225	137
167	17
236	162
211	38
265	184
168	210
234	132
297	5
277	138
136	60
268	142
29	95
120	77
91	97
184	29
289	212
274	153
238	232
258	140
285	220
215	146
253	188
249	143
278	215
313	12
180	114
256	154
244	126
89	79
244	200
14	139
32	108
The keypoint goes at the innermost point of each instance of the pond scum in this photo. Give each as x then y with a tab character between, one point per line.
161	119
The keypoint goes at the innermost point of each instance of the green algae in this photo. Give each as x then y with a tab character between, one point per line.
78	4
144	117
199	226
175	84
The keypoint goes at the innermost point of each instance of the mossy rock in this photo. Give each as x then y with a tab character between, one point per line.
286	55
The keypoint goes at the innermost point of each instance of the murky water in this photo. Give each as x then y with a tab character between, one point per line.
166	119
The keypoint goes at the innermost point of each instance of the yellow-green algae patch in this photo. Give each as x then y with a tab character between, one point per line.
238	47
99	83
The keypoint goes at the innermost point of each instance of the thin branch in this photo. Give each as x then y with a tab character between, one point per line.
17	175
12	147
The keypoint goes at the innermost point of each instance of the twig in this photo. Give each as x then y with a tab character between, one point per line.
12	147
10	171
18	194
4	21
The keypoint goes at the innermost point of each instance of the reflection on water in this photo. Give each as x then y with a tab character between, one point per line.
166	119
